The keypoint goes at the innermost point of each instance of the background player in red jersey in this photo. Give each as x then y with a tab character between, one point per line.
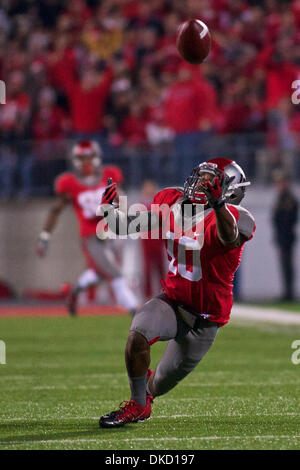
204	250
83	189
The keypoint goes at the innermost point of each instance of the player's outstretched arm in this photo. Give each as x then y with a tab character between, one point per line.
120	222
227	228
51	221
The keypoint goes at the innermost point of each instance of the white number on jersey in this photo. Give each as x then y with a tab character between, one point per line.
89	201
178	265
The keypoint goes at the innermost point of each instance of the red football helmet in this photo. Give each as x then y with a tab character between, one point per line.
86	157
217	167
113	172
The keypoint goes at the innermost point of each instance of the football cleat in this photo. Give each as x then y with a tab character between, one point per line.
129	412
71	297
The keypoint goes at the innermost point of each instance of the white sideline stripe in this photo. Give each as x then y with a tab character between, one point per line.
271	315
155	439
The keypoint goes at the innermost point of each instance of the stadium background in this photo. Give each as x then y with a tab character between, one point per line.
239	106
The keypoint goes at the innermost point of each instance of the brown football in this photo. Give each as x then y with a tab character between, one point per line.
193	41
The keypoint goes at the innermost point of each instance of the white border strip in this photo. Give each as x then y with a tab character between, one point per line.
271	315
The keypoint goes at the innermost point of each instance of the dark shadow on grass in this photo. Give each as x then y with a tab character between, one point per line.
87	431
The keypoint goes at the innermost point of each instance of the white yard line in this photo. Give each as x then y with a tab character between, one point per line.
94	376
243	384
96	418
202	384
269	315
149	439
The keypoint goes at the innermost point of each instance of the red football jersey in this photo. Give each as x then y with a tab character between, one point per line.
85	199
201	268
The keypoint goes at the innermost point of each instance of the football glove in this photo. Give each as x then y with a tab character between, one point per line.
215	191
110	193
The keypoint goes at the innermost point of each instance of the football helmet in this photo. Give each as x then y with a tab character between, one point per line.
113	172
218	167
87	157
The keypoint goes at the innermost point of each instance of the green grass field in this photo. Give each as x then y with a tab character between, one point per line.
62	374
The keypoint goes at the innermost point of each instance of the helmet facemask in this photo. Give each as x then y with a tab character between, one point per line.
192	185
218	168
87	166
87	159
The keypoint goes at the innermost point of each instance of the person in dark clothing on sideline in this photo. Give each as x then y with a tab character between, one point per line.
284	218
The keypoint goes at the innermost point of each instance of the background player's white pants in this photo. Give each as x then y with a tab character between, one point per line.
88	278
124	295
105	266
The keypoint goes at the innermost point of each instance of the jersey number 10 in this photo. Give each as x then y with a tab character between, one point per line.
178	264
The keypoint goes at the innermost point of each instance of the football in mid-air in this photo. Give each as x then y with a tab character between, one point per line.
193	41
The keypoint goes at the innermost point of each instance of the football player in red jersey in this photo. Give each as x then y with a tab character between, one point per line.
197	291
82	189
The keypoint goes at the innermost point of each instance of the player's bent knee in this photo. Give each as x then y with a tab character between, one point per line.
136	343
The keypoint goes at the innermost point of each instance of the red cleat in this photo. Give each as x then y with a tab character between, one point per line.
129	412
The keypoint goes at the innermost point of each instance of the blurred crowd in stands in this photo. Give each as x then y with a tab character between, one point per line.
109	70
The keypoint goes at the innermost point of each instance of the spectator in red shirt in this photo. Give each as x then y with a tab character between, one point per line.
87	96
166	50
50	127
241	123
133	128
133	132
280	71
189	111
49	120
